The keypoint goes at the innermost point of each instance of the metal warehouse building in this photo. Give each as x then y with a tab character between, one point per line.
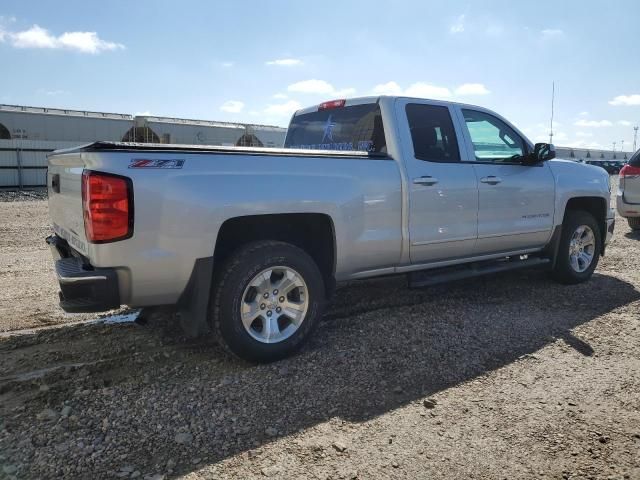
27	134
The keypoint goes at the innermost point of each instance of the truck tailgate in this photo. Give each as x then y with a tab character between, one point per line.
64	185
631	189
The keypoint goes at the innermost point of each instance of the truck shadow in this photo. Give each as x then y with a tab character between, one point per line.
380	347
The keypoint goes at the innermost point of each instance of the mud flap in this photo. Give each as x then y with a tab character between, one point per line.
551	250
193	304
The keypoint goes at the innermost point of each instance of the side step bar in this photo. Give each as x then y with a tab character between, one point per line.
426	278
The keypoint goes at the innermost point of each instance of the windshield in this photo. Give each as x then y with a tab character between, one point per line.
358	127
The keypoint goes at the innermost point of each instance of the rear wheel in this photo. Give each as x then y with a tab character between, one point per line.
634	223
579	249
268	299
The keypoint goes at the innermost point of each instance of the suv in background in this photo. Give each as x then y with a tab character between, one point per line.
612	167
628	198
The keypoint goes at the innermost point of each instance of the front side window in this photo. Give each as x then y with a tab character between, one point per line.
493	140
432	133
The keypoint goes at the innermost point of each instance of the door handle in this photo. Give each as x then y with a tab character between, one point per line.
491	180
426	180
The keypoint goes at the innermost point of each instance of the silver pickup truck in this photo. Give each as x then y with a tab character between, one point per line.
249	244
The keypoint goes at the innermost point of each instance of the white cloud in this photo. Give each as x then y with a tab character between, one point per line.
285	62
281	109
232	106
38	37
557	137
626	100
345	92
624	123
593	123
389	88
426	90
560	136
583	114
86	42
280	96
319	87
472	89
584	134
226	64
35	37
458	25
312	86
582	144
550	33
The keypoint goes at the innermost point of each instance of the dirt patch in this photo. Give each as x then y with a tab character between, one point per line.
28	287
508	376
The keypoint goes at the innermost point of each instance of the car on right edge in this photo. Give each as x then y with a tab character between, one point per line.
628	198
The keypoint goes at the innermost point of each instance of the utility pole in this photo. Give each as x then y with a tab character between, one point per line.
635	138
553	95
622	146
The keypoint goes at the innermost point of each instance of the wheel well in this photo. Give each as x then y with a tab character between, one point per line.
312	232
596	206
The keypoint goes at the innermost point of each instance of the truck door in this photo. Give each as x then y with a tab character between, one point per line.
516	202
442	190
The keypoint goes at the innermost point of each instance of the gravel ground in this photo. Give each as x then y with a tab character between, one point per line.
10	195
509	376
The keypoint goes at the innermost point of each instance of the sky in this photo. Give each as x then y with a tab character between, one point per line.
259	61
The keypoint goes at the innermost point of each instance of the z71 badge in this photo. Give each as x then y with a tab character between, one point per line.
144	163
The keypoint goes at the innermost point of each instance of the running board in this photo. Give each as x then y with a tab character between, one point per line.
426	278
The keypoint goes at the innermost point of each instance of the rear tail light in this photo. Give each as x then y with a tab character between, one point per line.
332	104
629	171
107	203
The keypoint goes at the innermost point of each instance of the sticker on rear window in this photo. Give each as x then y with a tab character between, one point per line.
147	163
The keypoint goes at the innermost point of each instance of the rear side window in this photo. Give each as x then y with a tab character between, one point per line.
634	161
434	138
358	127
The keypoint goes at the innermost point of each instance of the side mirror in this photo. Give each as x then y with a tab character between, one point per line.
544	151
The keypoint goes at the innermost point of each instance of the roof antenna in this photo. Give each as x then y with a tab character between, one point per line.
553	96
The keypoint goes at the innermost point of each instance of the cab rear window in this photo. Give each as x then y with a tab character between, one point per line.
357	127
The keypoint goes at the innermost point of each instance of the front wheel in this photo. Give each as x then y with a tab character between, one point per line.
579	249
268	298
634	223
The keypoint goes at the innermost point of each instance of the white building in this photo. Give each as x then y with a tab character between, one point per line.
27	134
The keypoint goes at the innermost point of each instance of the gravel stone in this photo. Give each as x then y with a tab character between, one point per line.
48	415
9	469
183	438
339	446
270	471
429	403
